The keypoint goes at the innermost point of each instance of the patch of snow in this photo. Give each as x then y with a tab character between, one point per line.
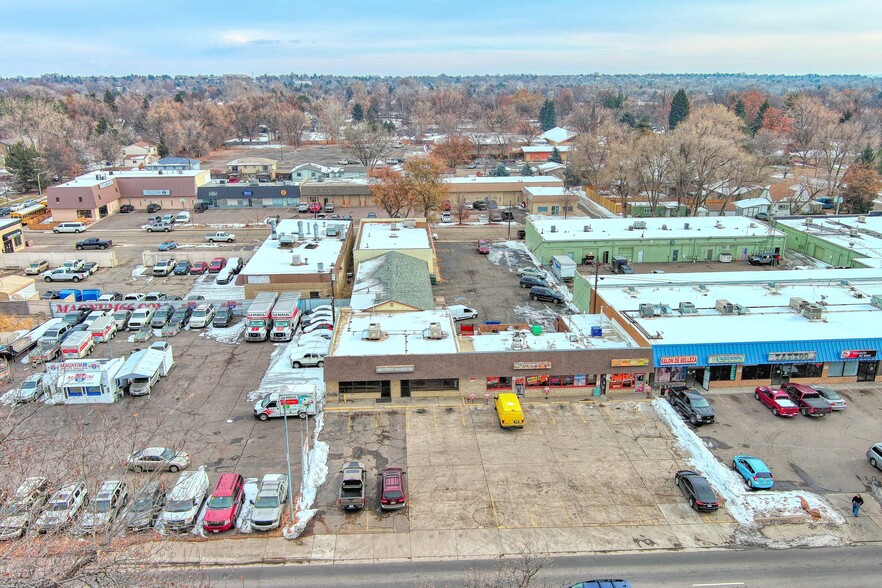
744	506
197	526
279	376
536	316
243	523
315	467
206	286
138	271
8	398
513	254
229	335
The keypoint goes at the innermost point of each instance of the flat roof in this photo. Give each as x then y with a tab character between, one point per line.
579	337
403	333
545	148
270	259
392	234
836	230
504	180
94	178
844	295
606	229
547	190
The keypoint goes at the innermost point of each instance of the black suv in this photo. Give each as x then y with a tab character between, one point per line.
153	207
691	405
200	206
546	295
530	281
126	208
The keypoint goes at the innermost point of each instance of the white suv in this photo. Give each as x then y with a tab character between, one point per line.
184	502
141	317
63	508
202	316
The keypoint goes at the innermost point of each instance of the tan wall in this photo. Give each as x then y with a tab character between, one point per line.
20	260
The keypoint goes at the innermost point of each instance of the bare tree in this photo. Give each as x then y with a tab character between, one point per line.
367	143
460	210
332	116
655	164
521	571
292	123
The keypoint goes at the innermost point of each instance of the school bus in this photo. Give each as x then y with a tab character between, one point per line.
31	215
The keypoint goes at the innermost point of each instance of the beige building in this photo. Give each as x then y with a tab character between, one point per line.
252	168
504	191
552	201
10	234
410	236
139	154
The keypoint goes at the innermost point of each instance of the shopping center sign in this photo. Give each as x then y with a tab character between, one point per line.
679	360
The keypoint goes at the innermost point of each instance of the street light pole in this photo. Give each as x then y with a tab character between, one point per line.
288	459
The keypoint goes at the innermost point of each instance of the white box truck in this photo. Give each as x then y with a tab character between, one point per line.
301	400
103	328
286	316
257	318
77	345
563	267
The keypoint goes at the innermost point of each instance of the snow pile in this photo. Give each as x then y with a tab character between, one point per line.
744	506
536	316
280	375
229	335
8	399
513	254
208	287
138	272
315	467
243	523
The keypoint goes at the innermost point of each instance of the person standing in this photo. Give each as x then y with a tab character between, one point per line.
856	503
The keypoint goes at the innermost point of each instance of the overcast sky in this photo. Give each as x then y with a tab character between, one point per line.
433	37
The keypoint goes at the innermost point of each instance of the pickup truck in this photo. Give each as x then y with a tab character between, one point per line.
808	400
160	227
164	267
764	259
63	274
691	405
94	243
352	486
220	236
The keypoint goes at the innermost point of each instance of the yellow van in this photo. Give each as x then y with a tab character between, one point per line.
508	409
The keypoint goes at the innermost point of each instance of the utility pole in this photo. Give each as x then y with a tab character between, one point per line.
594	292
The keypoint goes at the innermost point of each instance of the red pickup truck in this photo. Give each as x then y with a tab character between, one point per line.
776	400
807	399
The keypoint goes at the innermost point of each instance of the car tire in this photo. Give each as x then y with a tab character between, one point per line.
56	231
79	247
775	411
296	364
262	417
47	279
532	297
756	395
692	504
166	230
734	467
803	411
229	240
321	364
874	463
78	231
174	469
76	279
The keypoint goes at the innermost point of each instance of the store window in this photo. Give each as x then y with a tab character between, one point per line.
720	373
429	385
361	387
757	372
498	383
84	213
838	369
806	370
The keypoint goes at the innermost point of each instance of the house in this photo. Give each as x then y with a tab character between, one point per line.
252	168
10	234
662	209
543	152
392	282
174	164
559	136
549	200
315	171
139	154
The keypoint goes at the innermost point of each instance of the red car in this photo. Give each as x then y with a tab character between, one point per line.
315	207
217	264
225	503
199	268
483	247
393	489
777	400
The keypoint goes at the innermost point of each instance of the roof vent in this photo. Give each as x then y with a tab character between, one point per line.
553	228
719	225
686	226
862	219
664	227
725	307
687	308
519	341
808	222
295	260
587	228
393	227
639	224
434	332
701	288
738	309
854	232
373	332
752	225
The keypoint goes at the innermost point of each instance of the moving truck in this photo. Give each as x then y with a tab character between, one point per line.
508	409
258	316
299	401
103	328
286	315
563	267
77	345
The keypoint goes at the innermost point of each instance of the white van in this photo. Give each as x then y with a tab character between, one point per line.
69	228
461	312
182	217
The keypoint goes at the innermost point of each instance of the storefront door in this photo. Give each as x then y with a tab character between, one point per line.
695	377
780	374
867	371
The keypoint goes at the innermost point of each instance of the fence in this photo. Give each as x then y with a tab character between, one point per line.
22	259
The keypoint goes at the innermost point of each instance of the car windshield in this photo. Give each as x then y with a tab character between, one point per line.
28	385
700	403
280	323
179	314
142	505
763	475
103	505
831	395
121	314
179	505
266	502
167	454
58	506
199	314
221	502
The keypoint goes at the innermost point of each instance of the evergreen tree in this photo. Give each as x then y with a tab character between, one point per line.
760	115
22	161
389	126
571	179
547	116
372	115
526	170
740	110
179	97
103	126
500	171
555	156
868	157
357	113
162	148
110	99
679	109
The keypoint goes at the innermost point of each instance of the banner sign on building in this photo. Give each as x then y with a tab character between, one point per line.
858	354
106	184
725	359
157	192
679	360
532	365
793	355
629	362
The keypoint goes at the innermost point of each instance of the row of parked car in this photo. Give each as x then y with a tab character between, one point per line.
226	269
199	316
72	270
540	289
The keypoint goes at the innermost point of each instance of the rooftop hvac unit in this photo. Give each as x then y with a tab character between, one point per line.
725	307
587	228
639	224
631	291
854	232
409	223
664	227
752	225
373	332
518	341
687	308
738	309
393	226
295	260
286	240
862	219
434	331
320	266
378	296
686	226
797	303
647	310
701	288
553	228
808	221
813	312
876	301
572	338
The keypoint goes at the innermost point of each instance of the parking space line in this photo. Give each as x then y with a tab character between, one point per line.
551	414
350	421
377	419
610	415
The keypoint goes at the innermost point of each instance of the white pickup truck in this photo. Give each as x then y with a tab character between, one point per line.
220	236
64	274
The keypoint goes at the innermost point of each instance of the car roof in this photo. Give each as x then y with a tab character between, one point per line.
755	462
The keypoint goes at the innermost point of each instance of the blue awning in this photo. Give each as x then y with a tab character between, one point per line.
758	353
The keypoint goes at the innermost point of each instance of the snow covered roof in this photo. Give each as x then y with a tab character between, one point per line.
751	202
317	167
579	337
392	277
558	135
94	178
392	234
844	296
402	333
544	148
837	231
143	363
504	180
702	227
547	190
271	259
550	166
252	161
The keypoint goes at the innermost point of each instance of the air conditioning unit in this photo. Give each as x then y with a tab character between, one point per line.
409	223
553	228
373	332
813	312
725	307
518	341
295	259
862	219
854	232
796	303
687	308
876	301
434	331
639	224
286	240
647	310
393	227
686	226
587	228
808	221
